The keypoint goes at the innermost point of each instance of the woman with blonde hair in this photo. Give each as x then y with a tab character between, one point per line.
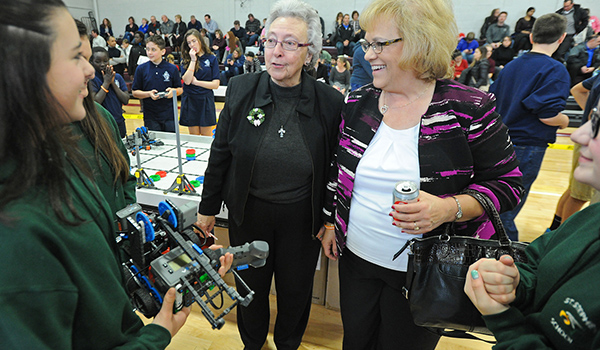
339	77
200	79
414	124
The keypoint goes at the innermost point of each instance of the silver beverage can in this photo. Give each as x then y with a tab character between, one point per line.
405	191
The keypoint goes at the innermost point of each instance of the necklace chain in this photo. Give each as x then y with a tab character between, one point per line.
385	107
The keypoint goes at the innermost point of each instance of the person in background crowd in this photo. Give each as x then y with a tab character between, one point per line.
397	129
577	21
138	48
502	55
458	63
106	29
177	34
488	21
116	56
338	22
253	28
143	27
467	46
130	29
345	39
252	63
497	31
239	32
219	44
583	59
476	75
355	24
339	77
522	31
98	40
166	28
272	153
234	65
153	27
211	26
194	24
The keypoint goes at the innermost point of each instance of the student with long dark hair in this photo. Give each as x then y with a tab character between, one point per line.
62	286
200	78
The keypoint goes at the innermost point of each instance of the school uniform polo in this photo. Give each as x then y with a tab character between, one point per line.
150	76
111	101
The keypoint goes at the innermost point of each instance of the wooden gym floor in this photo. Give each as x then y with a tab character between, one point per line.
324	330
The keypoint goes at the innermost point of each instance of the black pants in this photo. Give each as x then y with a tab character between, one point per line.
564	47
374	312
293	255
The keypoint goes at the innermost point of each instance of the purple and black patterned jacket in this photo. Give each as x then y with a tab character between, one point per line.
462	144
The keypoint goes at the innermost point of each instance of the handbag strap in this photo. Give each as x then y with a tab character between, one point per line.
457	334
491	213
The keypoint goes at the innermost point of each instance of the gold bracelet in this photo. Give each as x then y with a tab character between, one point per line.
103	88
329	227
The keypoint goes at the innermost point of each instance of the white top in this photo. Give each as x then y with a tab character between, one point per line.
392	156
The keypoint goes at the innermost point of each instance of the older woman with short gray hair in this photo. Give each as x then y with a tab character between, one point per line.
269	163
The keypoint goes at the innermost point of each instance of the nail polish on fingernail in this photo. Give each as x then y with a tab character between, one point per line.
475	274
391	214
397	202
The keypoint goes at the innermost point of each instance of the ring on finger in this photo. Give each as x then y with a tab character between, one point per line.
416	228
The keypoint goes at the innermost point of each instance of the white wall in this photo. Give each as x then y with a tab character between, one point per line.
469	13
80	8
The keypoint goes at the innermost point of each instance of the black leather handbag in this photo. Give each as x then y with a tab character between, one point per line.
437	269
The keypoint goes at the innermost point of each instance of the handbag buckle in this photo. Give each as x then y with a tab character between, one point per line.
405	292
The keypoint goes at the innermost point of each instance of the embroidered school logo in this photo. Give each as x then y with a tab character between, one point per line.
167	76
572	316
569	319
206	63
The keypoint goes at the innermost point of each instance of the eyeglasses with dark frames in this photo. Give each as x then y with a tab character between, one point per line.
288	45
377	45
595	119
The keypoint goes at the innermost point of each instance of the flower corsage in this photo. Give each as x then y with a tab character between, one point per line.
256	116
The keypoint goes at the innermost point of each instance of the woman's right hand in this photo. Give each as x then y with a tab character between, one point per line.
193	55
206	223
328	243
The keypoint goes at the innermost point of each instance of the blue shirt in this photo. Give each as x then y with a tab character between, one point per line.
531	87
362	74
463	45
149	76
208	70
111	101
590	55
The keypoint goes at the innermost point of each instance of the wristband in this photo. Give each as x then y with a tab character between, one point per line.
104	89
329	227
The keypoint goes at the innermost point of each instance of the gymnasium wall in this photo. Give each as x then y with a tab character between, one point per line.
469	13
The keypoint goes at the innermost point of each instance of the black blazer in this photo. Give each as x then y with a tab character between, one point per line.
237	141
